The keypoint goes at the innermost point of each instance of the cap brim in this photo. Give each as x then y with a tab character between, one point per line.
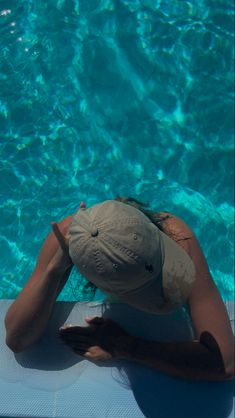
171	288
178	272
148	298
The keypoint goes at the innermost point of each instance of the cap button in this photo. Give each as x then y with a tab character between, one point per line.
94	232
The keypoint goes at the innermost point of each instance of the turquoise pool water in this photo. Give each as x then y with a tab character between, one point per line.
106	98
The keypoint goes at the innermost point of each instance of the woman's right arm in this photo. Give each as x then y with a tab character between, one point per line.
28	315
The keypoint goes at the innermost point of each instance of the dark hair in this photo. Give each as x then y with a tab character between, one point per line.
89	289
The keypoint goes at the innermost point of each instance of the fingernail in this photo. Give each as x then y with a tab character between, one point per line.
66	326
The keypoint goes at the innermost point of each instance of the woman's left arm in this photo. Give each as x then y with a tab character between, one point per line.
211	355
195	360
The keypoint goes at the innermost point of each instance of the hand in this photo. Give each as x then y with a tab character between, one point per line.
63	239
61	261
99	341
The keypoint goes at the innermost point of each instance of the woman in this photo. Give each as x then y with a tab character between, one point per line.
152	261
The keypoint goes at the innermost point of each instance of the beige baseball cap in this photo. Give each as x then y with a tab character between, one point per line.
119	249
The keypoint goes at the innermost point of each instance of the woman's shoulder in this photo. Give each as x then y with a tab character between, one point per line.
176	229
173	224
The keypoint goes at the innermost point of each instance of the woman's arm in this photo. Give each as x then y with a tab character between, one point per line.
210	357
193	360
208	312
28	315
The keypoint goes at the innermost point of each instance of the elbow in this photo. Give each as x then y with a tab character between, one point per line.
13	345
18	344
11	341
229	365
230	370
15	341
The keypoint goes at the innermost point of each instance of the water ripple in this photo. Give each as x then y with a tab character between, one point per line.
102	98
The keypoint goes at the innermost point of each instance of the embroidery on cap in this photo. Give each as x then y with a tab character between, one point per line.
120	247
98	262
149	267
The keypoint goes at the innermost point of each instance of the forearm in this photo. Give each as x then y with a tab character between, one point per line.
186	360
28	316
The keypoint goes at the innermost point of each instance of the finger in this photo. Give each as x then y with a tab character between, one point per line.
76	345
63	240
95	320
80	346
72	339
59	236
67	237
74	329
82	336
65	326
79	352
88	354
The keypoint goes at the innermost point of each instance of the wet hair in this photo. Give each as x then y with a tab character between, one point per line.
89	290
154	217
